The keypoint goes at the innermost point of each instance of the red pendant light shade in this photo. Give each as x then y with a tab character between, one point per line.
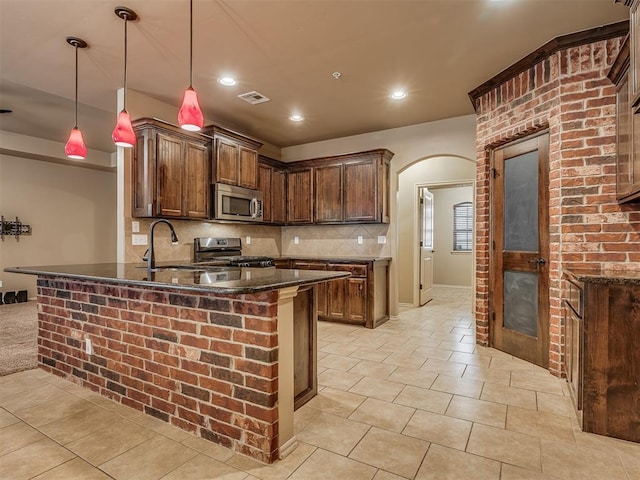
190	116
123	135
75	147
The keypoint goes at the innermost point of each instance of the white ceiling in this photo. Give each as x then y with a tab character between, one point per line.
438	50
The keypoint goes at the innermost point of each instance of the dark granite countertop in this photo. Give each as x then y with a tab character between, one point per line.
334	259
185	276
602	276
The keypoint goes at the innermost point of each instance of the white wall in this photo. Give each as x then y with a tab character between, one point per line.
430	171
70	209
449	268
451	137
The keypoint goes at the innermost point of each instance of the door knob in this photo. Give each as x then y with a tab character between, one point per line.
539	261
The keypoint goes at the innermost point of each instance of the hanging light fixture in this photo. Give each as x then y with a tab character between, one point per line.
190	116
75	147
123	135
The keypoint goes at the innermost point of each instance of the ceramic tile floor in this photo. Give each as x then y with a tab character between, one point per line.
414	398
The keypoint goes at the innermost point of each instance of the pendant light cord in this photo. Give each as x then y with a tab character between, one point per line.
125	64
76	118
190	43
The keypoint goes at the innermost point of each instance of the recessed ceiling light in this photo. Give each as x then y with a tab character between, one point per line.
398	94
227	81
296	118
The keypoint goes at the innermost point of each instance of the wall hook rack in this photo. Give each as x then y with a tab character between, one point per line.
13	228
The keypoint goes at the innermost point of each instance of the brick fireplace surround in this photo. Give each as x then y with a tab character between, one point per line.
569	93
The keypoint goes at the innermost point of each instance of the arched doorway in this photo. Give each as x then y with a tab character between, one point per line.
448	176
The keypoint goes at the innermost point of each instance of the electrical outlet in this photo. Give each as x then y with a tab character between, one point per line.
382	239
135	227
139	239
360	240
296	240
247	240
0	283
88	348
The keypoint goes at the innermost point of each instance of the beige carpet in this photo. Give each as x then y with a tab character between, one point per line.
18	337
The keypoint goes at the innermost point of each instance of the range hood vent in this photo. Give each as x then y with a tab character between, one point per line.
253	97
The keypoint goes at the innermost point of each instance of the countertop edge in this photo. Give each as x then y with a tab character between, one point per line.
192	288
600	277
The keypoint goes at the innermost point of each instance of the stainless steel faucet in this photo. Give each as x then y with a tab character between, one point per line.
151	260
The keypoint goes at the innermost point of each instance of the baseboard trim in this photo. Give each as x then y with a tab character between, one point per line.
288	447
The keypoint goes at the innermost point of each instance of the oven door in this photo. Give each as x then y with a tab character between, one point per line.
236	203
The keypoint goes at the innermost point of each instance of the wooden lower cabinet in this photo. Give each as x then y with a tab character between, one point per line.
602	353
361	299
572	350
305	346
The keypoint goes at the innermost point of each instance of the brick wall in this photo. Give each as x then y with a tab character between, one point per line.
205	363
569	94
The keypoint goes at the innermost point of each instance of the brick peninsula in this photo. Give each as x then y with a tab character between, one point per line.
207	349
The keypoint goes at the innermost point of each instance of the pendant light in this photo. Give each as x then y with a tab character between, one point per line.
123	135
75	147
190	116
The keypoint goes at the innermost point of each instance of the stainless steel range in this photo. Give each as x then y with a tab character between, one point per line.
226	251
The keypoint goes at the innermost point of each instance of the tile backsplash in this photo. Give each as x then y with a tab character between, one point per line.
265	240
321	240
340	240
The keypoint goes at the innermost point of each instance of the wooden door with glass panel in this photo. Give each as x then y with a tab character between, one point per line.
519	283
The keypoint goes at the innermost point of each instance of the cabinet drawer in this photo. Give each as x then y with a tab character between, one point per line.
356	270
309	265
574	297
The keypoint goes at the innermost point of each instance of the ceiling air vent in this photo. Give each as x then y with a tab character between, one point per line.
254	97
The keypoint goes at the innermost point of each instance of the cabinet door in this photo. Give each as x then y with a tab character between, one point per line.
360	192
624	168
300	195
226	162
337	299
248	168
196	180
279	196
170	170
143	196
264	185
328	194
321	303
356	300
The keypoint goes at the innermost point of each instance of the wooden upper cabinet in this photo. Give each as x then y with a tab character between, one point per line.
360	191
272	182
196	180
627	118
366	189
279	196
328	194
248	168
235	158
170	174
170	156
300	196
264	185
226	159
350	188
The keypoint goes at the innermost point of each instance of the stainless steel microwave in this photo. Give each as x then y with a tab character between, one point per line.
236	203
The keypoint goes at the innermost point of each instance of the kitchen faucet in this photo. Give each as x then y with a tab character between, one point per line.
150	258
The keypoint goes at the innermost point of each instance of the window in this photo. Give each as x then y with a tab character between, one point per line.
462	227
